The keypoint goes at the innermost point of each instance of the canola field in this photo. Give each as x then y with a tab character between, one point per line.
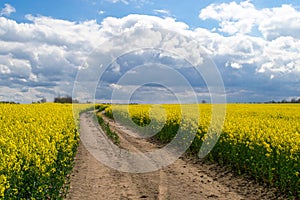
38	142
37	147
262	140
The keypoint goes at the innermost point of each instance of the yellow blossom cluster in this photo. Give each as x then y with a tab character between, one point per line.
262	140
37	146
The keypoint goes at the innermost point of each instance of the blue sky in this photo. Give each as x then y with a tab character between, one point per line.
255	46
81	10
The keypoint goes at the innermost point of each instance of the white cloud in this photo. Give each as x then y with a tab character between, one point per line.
115	86
7	10
15	66
113	1
138	3
243	17
162	11
4	69
101	12
234	65
135	21
280	21
274	53
45	54
233	17
116	67
116	1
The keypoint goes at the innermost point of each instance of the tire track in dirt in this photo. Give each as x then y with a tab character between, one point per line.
187	178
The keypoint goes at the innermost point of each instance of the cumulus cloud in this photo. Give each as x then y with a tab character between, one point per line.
116	1
101	12
134	21
44	53
273	54
279	22
162	12
7	10
233	17
16	67
42	57
233	65
138	3
244	16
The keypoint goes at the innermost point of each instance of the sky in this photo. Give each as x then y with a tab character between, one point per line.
149	50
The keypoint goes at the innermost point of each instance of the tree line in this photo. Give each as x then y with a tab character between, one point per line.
293	100
66	99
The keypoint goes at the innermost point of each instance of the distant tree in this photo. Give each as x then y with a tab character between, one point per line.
203	101
66	99
43	100
293	100
284	101
8	102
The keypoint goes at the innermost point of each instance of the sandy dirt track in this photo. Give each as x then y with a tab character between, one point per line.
187	178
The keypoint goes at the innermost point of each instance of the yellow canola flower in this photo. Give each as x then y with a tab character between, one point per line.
261	139
35	140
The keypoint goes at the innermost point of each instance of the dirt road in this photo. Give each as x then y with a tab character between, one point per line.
187	178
